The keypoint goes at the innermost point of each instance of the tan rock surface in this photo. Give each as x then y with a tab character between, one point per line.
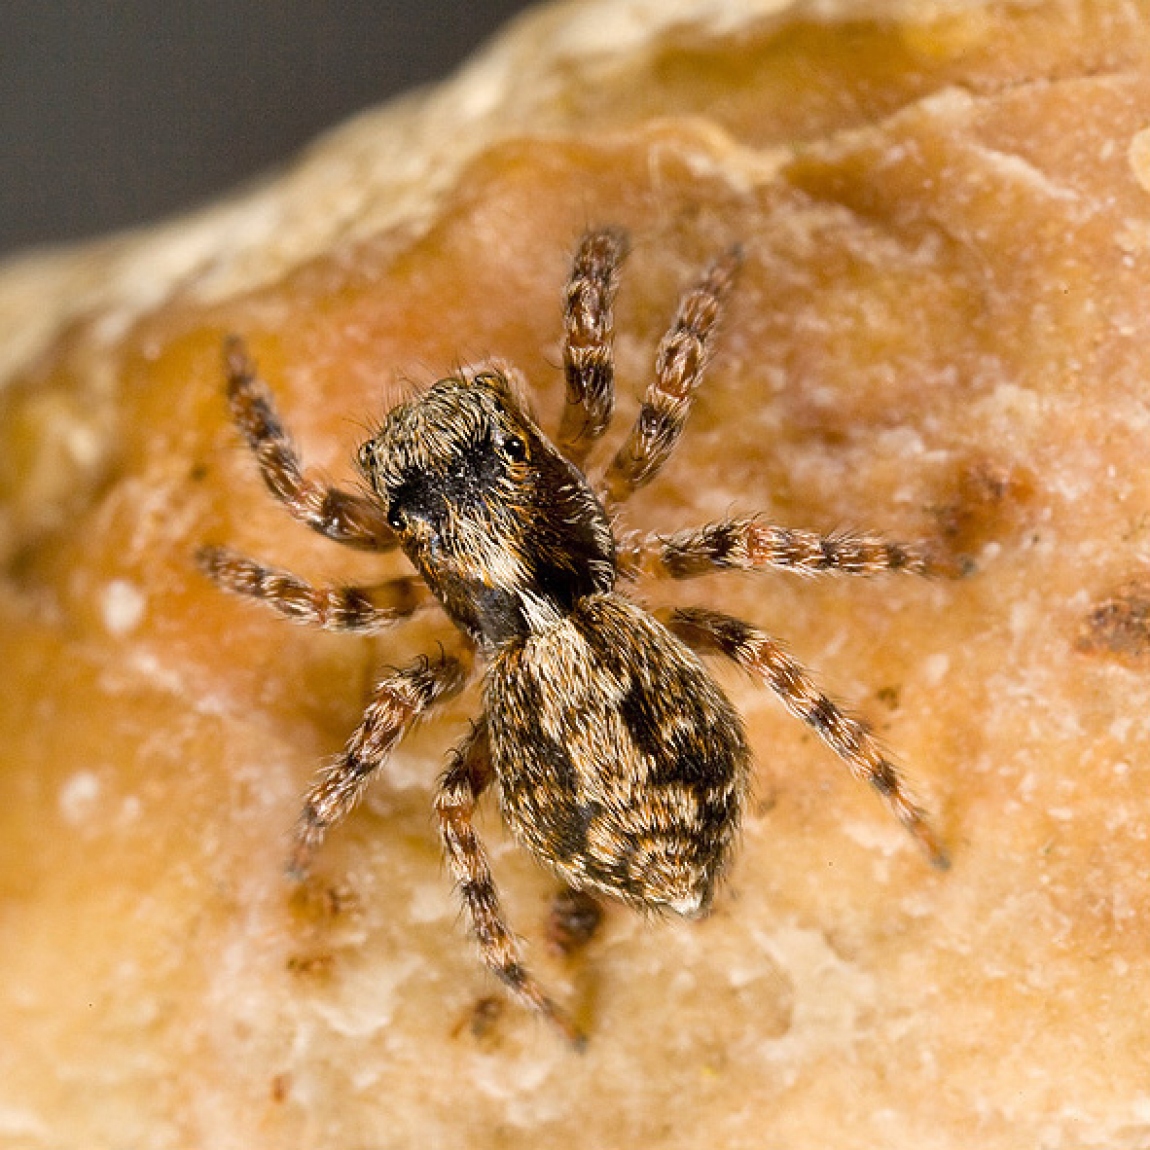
942	331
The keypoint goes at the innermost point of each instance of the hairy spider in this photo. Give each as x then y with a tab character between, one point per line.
620	763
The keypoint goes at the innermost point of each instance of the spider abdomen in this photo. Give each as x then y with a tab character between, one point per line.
621	764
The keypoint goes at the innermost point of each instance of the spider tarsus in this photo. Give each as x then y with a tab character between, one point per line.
208	559
935	851
575	917
237	362
308	837
559	1018
722	271
914	819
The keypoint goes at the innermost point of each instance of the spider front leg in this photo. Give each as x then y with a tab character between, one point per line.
398	700
761	656
363	610
588	335
679	366
467	777
751	545
340	515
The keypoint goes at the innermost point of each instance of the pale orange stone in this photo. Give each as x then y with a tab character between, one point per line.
941	332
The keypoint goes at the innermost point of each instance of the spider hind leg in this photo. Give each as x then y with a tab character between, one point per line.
468	776
765	659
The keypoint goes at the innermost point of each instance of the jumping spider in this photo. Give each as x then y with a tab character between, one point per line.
620	763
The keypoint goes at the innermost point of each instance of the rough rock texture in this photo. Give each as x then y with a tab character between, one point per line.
941	331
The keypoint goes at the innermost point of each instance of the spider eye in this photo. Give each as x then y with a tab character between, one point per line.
514	448
396	519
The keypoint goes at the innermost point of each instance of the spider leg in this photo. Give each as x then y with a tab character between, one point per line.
468	776
750	545
588	335
360	609
763	657
398	700
340	515
679	366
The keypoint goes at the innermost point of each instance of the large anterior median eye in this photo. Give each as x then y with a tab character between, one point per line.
396	519
513	448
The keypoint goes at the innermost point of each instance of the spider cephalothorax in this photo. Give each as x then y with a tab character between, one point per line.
505	531
619	762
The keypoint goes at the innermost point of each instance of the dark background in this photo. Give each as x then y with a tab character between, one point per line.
114	113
